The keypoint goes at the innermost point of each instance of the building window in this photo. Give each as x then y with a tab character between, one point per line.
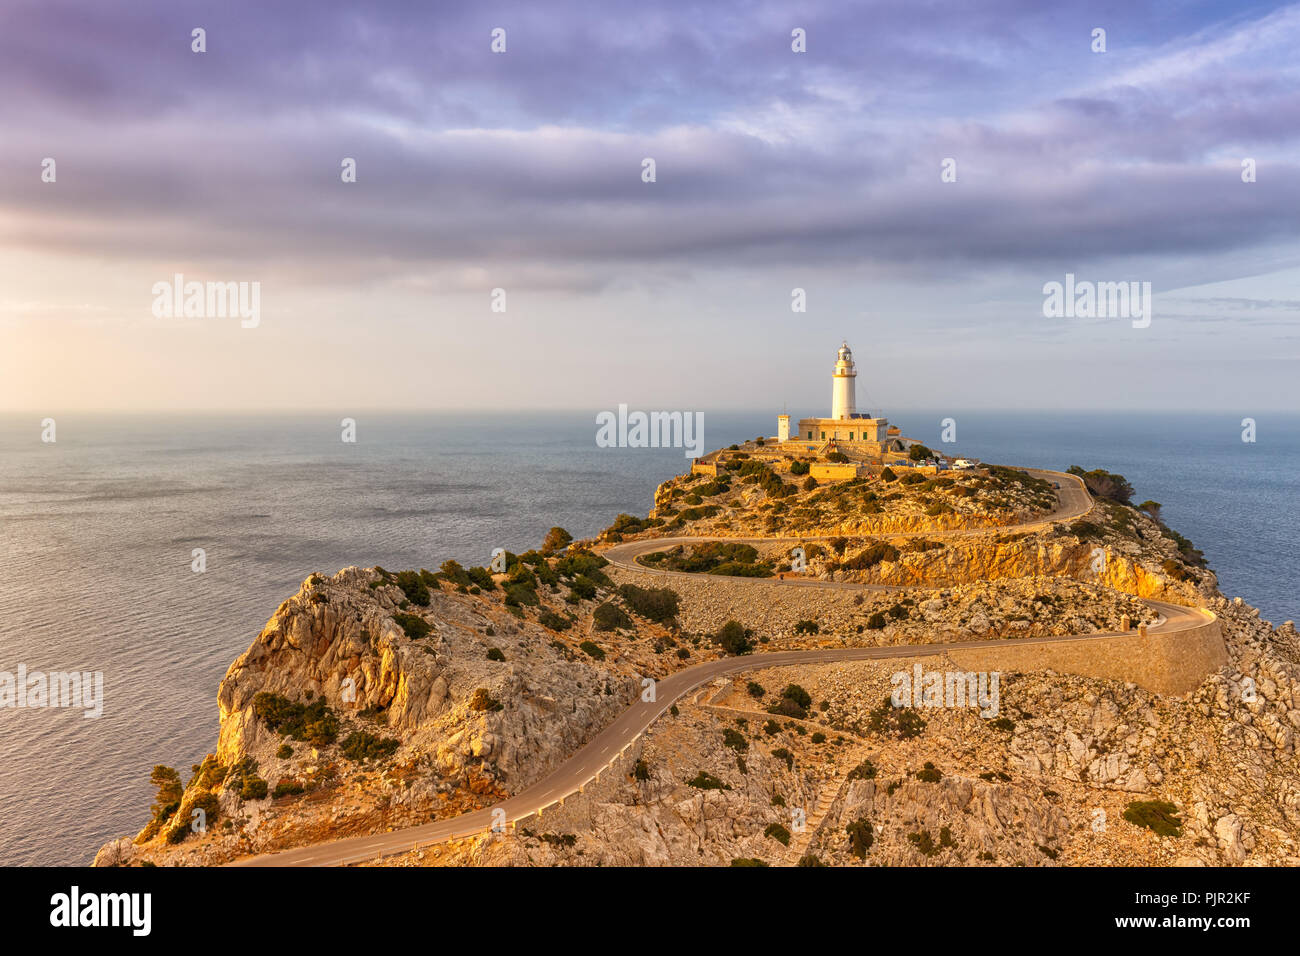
850	436
810	436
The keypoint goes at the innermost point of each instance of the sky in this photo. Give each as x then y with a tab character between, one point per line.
522	171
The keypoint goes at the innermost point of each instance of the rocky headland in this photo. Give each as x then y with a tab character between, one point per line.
374	701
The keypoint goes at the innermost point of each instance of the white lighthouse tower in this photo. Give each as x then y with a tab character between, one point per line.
844	402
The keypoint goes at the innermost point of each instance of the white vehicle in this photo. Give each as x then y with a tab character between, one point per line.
963	463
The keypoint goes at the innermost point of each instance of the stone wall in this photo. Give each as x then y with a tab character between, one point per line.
833	472
1166	663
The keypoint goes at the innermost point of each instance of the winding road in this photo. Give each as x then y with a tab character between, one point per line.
595	757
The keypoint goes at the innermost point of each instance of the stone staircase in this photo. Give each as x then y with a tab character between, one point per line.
830	789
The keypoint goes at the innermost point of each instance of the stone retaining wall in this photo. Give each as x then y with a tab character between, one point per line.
1166	663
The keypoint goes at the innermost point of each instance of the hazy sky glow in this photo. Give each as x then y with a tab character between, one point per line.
522	171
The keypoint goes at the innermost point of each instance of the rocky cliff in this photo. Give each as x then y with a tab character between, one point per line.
374	701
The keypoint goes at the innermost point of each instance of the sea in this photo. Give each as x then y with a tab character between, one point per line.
99	528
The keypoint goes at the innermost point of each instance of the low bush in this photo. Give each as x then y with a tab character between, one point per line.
483	700
556	622
778	832
610	617
362	745
733	638
413	625
416	591
287	787
904	723
863	771
314	723
704	780
861	836
656	604
1158	816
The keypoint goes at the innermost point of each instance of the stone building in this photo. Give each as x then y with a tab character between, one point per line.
847	429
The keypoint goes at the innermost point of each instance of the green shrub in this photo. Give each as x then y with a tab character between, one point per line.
755	690
797	694
287	787
482	578
863	771
810	859
556	622
655	604
556	539
929	773
799	467
923	842
415	626
453	572
610	617
1158	816
483	700
871	556
747	861
861	836
1105	484
253	788
641	771
416	591
362	745
781	753
285	752
521	594
734	739
733	638
919	453
778	833
168	798
703	780
314	723
592	649
578	561
903	723
495	654
582	587
785	707
806	627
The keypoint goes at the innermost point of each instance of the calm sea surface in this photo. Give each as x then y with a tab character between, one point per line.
98	530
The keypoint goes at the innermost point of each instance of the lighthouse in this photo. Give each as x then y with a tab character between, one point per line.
844	385
848	429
